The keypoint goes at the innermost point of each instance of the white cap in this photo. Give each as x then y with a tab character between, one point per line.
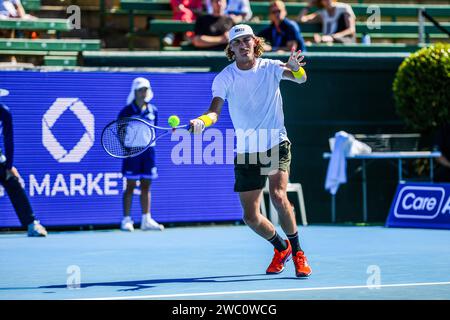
3	92
240	30
139	83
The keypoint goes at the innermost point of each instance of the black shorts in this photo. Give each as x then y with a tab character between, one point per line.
251	169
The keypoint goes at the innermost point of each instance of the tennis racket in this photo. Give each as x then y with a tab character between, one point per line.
129	137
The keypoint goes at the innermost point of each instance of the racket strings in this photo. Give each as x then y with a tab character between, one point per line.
127	137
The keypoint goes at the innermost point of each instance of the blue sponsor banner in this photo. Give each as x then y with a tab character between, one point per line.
420	205
58	119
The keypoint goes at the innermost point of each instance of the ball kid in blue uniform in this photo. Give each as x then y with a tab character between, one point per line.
141	167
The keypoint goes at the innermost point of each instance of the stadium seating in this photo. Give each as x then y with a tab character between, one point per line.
49	44
158	7
398	33
261	9
59	51
66	61
388	30
31	5
158	26
40	24
53	52
162	8
361	10
391	30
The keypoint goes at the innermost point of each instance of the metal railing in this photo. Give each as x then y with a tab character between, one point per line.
423	36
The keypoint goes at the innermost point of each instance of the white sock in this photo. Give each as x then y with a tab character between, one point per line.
147	215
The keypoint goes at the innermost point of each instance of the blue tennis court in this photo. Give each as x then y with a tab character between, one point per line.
225	262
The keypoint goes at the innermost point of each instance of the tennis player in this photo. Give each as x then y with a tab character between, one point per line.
143	166
251	86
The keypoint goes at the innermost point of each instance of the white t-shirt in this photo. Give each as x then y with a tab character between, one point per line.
255	104
330	23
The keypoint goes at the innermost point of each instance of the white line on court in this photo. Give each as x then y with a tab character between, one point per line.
200	294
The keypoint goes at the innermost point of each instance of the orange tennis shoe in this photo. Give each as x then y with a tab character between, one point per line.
279	259
302	268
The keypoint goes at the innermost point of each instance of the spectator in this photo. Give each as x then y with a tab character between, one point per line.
141	167
282	34
442	144
13	9
238	10
186	11
211	30
9	176
338	21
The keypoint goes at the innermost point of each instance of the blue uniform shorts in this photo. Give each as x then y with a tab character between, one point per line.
140	167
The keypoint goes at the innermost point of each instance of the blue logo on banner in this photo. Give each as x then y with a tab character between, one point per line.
421	205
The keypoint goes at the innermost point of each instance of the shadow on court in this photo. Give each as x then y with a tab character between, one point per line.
136	285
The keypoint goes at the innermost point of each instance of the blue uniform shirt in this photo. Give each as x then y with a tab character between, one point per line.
150	114
142	166
6	132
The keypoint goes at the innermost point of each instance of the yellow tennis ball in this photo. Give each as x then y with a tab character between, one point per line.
173	121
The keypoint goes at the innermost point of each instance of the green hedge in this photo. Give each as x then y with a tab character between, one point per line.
422	88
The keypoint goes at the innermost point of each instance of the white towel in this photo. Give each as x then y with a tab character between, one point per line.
344	145
336	173
357	147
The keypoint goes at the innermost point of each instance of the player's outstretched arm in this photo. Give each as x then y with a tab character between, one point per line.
209	118
294	67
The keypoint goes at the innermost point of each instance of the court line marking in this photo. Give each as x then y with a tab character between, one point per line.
200	294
